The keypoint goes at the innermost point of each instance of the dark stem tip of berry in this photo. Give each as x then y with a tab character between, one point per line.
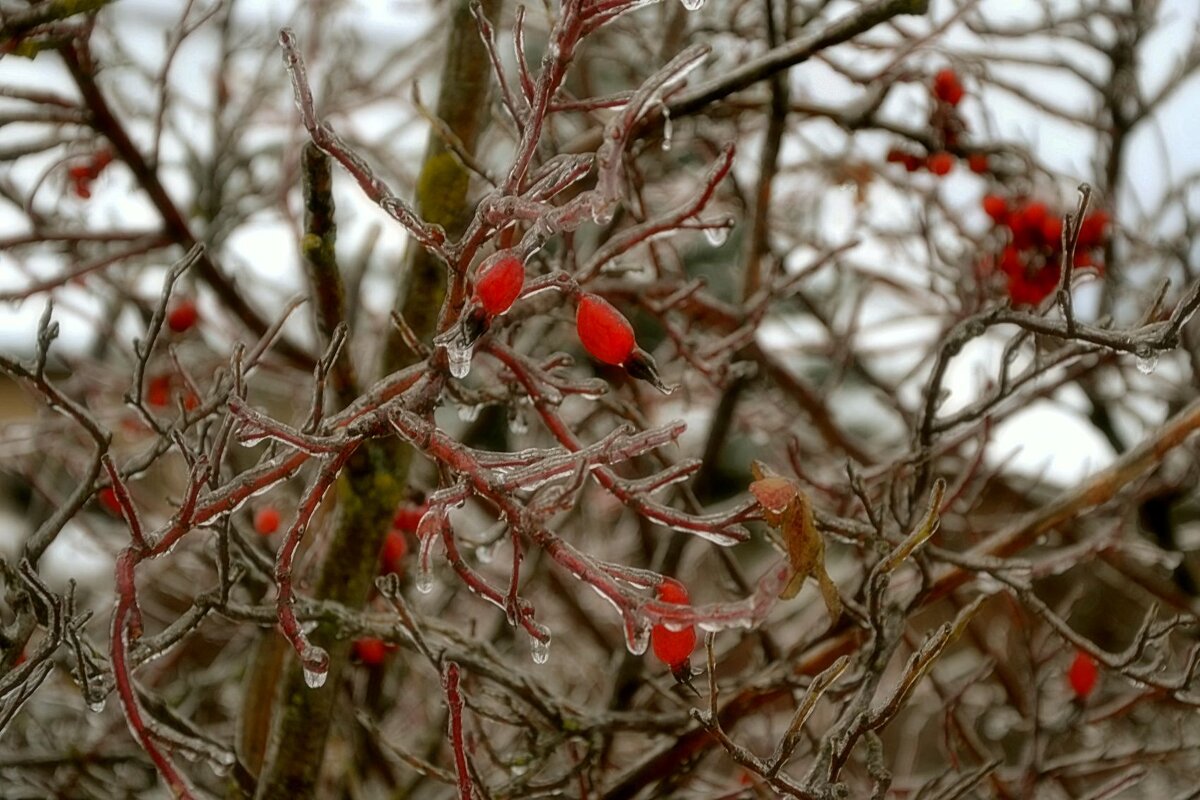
683	676
474	325
640	365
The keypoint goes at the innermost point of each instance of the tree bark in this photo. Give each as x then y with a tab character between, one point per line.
376	477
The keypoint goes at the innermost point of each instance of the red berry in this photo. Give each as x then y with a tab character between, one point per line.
1026	224
108	498
158	391
1011	263
191	401
940	163
498	282
603	331
266	520
946	87
1034	214
978	163
995	207
673	648
408	517
1082	674
896	156
100	160
1052	228
391	557
1093	229
370	651
1032	285
183	316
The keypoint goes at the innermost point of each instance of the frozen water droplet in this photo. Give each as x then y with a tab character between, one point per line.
693	5
1147	361
668	128
459	356
96	704
637	633
424	581
316	666
222	761
602	213
716	236
428	533
539	650
539	641
469	413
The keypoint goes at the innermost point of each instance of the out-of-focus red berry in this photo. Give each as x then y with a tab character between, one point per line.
1025	222
940	163
947	87
266	520
183	316
82	175
1033	285
1052	228
1010	261
978	163
158	391
1034	214
1093	229
408	516
370	651
1082	674
995	207
108	498
391	555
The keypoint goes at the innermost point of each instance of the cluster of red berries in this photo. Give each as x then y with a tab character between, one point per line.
82	175
1031	258
948	127
674	648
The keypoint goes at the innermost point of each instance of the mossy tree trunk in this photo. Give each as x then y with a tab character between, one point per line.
376	477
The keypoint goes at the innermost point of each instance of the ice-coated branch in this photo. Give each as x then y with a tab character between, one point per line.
430	236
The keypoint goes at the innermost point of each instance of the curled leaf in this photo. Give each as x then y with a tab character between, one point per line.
788	509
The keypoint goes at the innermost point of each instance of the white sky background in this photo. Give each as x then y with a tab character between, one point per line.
1047	438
